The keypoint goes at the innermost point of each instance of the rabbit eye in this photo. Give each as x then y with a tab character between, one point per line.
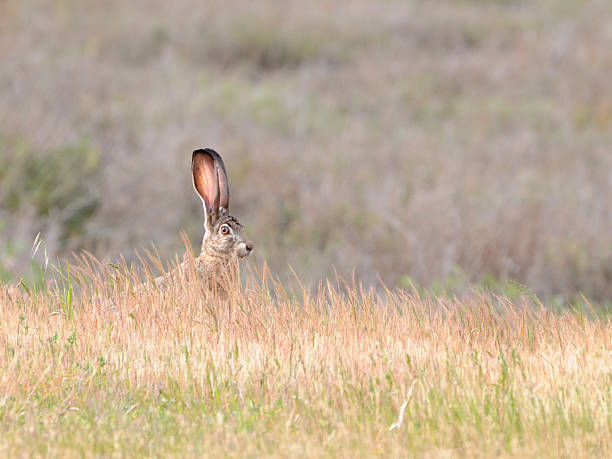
225	230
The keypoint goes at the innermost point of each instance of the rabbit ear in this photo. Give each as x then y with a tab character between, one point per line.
224	193
206	184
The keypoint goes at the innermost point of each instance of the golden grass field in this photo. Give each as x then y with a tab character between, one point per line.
93	366
452	150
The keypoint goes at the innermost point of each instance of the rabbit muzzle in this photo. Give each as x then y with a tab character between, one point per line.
244	249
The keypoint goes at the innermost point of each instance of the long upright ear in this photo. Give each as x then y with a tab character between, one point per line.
206	184
224	193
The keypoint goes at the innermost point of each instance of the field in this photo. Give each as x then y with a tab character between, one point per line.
448	143
89	367
427	185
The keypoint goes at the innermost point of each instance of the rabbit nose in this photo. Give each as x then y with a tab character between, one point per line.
249	247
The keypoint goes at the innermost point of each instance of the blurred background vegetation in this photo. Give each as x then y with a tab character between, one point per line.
446	143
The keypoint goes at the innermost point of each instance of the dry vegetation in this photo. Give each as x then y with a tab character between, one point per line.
89	368
447	142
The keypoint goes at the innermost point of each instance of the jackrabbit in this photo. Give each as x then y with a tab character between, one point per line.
224	239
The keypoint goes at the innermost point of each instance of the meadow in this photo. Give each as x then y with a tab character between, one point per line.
94	366
427	185
446	143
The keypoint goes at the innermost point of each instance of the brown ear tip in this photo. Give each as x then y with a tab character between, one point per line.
208	152
205	151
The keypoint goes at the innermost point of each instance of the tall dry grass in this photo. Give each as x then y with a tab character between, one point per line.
96	364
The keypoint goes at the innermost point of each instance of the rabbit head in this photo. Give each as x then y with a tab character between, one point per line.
224	236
